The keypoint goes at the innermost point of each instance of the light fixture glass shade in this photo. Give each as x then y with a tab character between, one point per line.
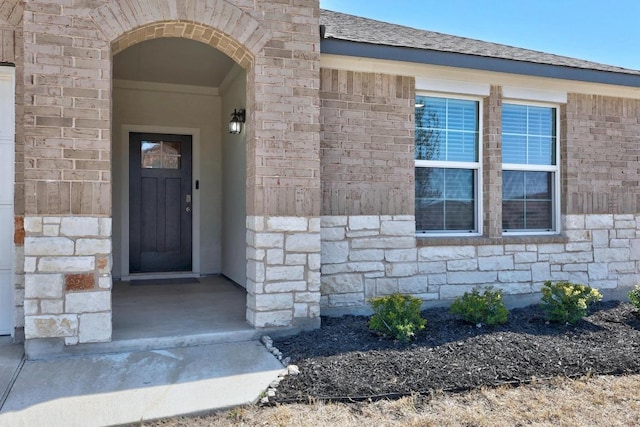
235	125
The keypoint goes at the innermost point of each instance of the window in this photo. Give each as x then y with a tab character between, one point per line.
529	168
447	165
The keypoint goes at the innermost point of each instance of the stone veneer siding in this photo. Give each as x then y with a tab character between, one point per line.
369	256
68	278
283	271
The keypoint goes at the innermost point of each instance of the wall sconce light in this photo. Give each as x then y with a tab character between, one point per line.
237	119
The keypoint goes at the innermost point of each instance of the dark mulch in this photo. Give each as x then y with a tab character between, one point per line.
344	360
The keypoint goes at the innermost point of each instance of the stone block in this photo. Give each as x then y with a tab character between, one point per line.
401	255
50	230
509	249
105	227
600	238
413	285
94	327
611	254
578	235
269	240
34	246
462	265
33	224
268	319
286	273
635	249
362	233
386	286
620	243
573	222
314	225
514	288
51	306
66	264
255	271
255	223
334	252
437	279
333	221
552	248
314	261
80	226
364	222
432	267
30	264
575	267
401	269
269	302
105	282
93	246
491	250
571	257
50	326
275	256
472	277
332	234
285	287
398	228
296	259
384	243
79	282
341	284
446	253
622	267
255	254
346	300
303	242
525	257
514	276
540	271
448	292
43	286
307	297
31	307
300	310
497	263
366	255
578	246
87	302
594	222
287	223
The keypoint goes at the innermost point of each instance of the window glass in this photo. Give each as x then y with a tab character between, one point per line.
528	143
446	174
160	155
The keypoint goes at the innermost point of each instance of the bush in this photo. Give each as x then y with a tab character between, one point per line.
567	302
396	316
485	309
634	297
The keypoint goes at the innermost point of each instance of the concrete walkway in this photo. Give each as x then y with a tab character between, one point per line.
121	388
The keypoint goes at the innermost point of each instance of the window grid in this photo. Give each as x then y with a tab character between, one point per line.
445	164
530	168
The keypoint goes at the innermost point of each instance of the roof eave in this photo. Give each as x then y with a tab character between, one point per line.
476	62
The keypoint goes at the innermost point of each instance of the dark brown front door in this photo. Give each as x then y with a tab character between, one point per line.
159	203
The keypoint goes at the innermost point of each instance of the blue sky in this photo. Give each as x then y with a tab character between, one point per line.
596	30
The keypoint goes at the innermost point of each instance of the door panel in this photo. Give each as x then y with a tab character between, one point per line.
160	232
7	150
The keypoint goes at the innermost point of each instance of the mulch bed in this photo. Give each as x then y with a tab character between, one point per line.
343	360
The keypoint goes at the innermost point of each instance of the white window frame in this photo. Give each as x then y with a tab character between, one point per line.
443	164
555	169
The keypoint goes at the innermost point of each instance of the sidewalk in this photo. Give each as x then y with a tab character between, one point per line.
113	389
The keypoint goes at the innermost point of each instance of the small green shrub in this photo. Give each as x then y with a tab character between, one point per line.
634	297
486	309
567	302
396	316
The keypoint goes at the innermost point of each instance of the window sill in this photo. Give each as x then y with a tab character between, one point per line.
422	241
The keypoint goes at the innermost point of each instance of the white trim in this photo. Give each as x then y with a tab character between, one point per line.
529	94
165	87
452	86
369	65
124	198
475	166
7	137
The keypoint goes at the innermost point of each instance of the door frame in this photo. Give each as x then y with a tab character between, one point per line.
8	76
124	200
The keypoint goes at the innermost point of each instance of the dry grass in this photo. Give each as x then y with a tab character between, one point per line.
600	401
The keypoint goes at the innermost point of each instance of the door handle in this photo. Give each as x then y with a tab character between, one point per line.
188	209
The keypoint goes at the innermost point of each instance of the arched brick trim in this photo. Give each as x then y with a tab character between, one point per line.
188	30
217	23
11	12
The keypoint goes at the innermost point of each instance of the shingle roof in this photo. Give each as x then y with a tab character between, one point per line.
341	26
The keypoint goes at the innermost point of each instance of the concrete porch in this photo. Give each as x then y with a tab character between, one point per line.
158	315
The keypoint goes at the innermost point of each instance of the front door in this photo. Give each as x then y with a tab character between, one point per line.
160	203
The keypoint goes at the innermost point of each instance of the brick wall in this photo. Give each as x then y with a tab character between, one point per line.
600	155
367	132
68	47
